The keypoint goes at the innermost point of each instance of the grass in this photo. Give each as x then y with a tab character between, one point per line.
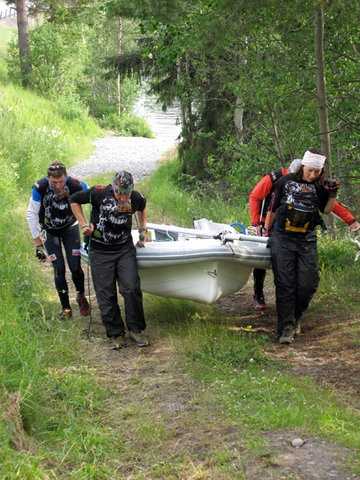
196	405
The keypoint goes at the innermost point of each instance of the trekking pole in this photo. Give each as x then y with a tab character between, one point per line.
89	293
88	281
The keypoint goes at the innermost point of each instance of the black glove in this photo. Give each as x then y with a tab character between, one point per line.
331	186
40	253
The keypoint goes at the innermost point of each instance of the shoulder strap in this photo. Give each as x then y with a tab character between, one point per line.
41	186
275	176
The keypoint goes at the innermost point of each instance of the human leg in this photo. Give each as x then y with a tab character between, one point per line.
129	287
71	242
259	279
283	257
54	251
307	276
104	279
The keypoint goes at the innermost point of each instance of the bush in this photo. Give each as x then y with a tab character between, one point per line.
126	125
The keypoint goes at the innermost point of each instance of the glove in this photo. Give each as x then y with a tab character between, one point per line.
141	241
354	226
40	253
331	186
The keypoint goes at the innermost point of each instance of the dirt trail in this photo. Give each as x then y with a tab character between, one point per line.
316	353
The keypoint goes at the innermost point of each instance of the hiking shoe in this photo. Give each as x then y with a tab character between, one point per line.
287	335
259	304
66	313
139	339
83	305
297	328
118	342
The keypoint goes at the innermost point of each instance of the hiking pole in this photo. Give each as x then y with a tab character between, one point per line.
88	281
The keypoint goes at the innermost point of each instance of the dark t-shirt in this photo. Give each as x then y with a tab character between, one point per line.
55	215
112	220
296	204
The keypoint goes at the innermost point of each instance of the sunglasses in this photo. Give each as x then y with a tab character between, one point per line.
123	190
53	168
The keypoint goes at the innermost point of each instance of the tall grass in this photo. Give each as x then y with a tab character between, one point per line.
35	132
165	190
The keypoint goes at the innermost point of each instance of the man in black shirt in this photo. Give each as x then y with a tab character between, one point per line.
112	253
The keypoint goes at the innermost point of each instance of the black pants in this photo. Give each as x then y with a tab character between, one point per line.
112	268
296	275
259	275
70	240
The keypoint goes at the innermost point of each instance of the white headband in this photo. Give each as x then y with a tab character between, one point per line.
313	160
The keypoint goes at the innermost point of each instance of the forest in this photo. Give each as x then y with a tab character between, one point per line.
258	83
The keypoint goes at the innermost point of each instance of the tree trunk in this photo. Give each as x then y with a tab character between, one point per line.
238	119
118	78
24	43
324	135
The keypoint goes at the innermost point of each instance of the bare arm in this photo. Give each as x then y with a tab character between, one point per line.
329	205
142	219
77	210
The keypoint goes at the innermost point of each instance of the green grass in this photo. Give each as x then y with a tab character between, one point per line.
6	34
35	132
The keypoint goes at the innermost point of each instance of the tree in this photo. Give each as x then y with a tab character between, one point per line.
324	134
24	44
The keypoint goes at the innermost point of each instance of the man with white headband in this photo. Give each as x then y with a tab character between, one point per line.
259	202
294	215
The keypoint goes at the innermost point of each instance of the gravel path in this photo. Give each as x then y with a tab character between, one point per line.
137	155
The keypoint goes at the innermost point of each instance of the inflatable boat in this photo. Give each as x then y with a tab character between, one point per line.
197	264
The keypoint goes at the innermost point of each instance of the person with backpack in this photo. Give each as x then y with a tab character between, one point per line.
259	201
54	227
293	217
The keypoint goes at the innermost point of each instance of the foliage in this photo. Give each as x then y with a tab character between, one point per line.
35	132
126	125
67	57
191	201
245	78
57	57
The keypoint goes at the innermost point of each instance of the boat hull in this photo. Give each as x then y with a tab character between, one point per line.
203	282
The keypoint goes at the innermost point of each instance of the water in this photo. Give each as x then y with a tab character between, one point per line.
165	125
137	155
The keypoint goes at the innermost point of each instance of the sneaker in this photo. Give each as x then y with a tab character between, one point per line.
118	342
297	328
66	313
139	339
83	305
287	335
259	304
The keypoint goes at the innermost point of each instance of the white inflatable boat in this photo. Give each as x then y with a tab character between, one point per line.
197	264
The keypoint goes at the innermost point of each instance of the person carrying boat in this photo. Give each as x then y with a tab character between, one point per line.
293	217
53	226
259	201
112	254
